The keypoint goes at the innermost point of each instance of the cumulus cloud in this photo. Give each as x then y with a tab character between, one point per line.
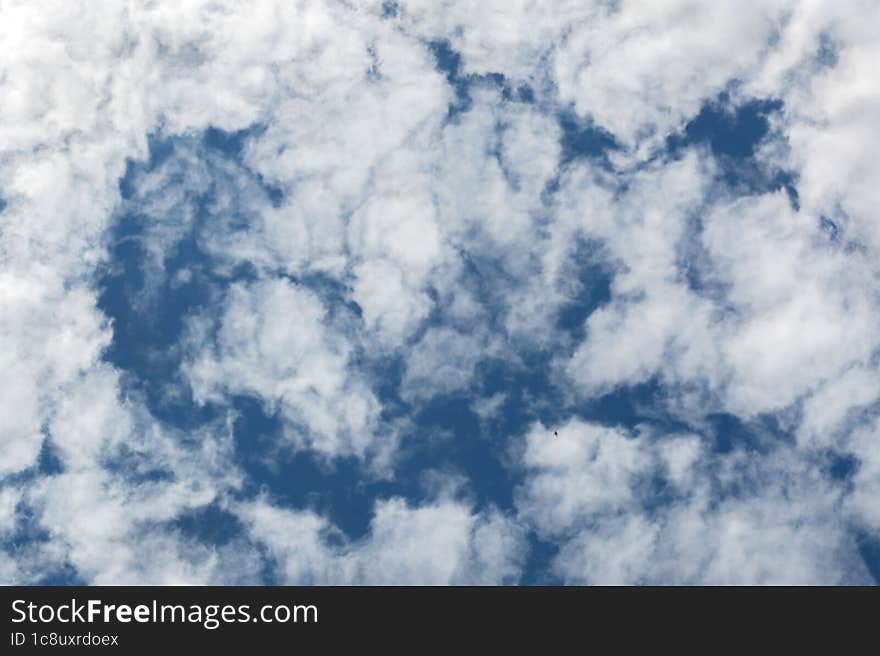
53	337
273	342
723	520
437	543
108	508
412	201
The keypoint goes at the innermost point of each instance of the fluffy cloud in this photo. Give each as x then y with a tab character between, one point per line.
723	520
121	481
675	56
410	192
273	342
56	336
438	543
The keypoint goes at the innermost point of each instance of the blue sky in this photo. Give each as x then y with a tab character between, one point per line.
383	293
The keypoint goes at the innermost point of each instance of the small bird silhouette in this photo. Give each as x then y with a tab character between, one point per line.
556	433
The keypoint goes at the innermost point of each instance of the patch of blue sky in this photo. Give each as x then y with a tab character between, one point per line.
733	133
390	9
869	549
828	51
448	62
591	289
146	333
581	138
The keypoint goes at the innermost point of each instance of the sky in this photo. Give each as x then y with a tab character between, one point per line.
358	292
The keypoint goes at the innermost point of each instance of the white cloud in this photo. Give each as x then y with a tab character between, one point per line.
390	308
52	337
441	363
803	314
438	543
275	342
415	215
123	481
654	317
661	61
592	489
